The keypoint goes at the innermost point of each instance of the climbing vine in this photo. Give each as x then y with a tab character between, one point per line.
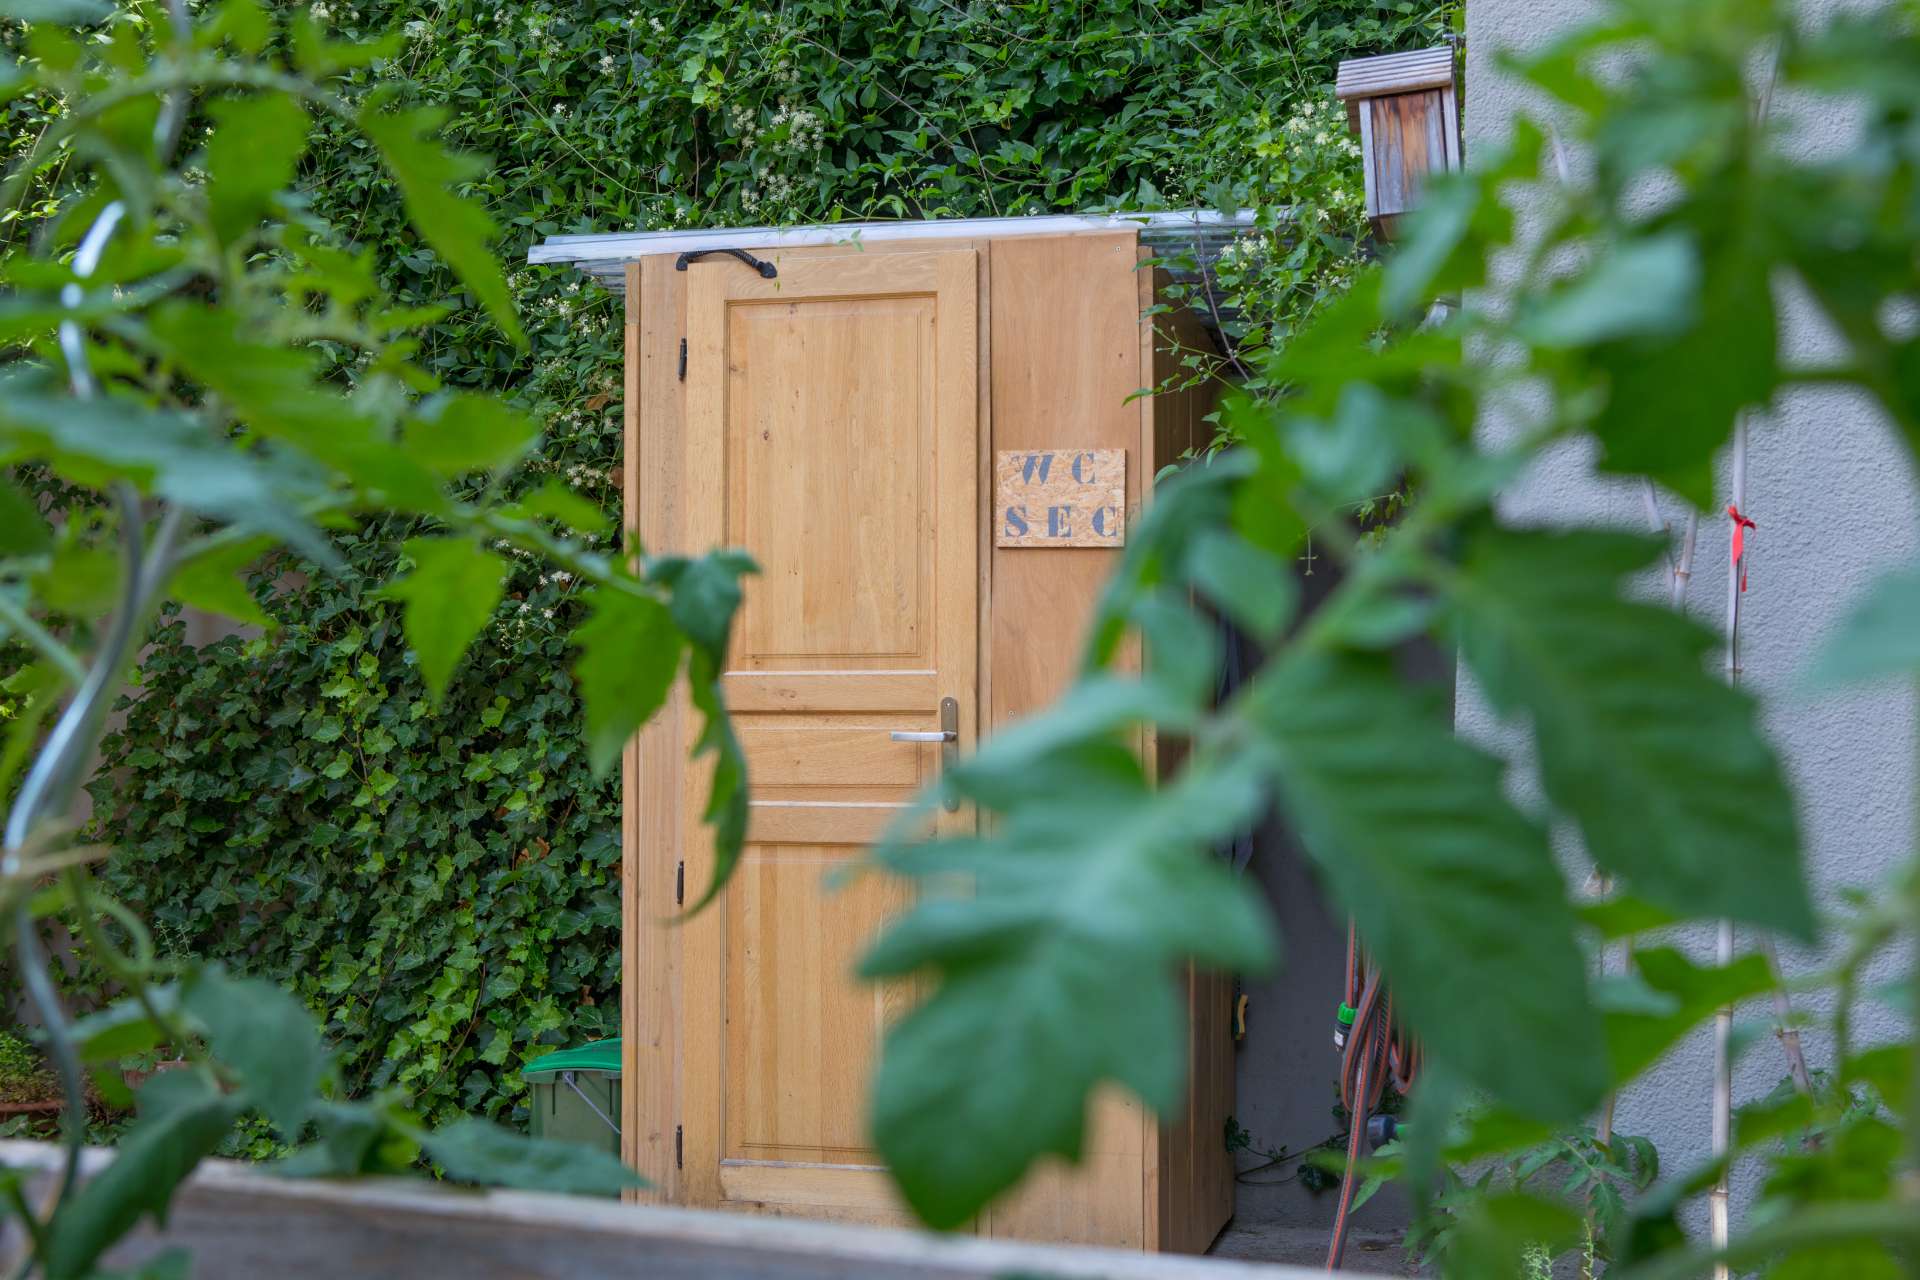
441	888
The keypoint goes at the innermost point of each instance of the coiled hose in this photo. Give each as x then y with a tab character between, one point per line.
1375	1052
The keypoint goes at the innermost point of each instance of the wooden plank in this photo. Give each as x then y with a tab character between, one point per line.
1190	1175
651	829
1065	358
240	1224
776	691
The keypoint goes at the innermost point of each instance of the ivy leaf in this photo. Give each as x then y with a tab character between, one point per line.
479	1151
629	655
449	597
1663	766
1881	634
459	229
1103	893
267	1037
255	149
458	433
211	581
1413	831
153	1158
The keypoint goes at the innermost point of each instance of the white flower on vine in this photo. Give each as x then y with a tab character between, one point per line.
606	63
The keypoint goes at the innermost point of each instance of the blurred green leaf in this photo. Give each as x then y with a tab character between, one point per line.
1880	636
458	433
629	655
153	1158
1101	893
1496	1232
461	231
1412	829
1251	586
124	1027
706	592
66	13
1673	394
96	442
252	156
480	1151
726	810
1636	1038
553	500
1647	286
23	531
213	581
266	1037
1662	764
451	594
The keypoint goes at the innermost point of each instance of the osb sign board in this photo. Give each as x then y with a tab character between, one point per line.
1060	498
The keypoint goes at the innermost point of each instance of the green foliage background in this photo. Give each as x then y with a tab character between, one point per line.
441	885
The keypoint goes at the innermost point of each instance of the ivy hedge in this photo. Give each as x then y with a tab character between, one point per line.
441	885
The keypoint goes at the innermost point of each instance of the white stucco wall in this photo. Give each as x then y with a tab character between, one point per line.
1835	503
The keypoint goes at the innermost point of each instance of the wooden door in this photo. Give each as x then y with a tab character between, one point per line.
831	432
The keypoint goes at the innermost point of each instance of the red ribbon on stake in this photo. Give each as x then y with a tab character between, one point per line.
1738	557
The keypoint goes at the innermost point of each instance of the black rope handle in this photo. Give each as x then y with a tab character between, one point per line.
765	268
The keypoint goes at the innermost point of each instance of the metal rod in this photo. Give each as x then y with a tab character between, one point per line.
566	1078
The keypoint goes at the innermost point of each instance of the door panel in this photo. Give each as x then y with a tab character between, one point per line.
831	432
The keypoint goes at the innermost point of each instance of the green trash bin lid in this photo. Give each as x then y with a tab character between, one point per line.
597	1055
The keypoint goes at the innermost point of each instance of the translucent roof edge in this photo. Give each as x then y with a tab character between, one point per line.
600	255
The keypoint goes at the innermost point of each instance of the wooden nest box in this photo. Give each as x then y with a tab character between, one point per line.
1405	107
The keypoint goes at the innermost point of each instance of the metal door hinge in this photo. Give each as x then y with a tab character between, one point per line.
679	1147
683	359
680	885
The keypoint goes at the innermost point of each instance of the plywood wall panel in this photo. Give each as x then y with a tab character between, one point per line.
1065	360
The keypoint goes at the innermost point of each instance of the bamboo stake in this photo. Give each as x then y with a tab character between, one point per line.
1718	1202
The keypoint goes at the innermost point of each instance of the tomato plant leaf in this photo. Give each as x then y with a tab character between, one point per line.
1414	833
1662	764
450	595
629	655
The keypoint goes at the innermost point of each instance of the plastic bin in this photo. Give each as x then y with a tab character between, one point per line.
576	1095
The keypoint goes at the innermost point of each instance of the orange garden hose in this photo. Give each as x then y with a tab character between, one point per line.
1374	1051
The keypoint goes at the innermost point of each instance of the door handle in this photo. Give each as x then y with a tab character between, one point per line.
947	735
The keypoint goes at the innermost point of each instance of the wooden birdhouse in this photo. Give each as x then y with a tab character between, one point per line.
1405	107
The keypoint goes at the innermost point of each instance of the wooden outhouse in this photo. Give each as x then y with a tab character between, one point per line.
840	401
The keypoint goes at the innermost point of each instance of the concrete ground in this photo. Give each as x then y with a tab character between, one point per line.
1372	1253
